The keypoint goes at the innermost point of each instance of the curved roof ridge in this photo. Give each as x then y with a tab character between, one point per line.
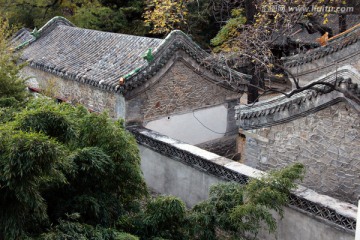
335	44
283	109
59	20
101	59
175	40
178	33
54	22
36	34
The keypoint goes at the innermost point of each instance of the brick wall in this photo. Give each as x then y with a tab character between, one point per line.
326	142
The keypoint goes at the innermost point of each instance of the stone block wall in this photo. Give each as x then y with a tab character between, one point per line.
183	170
326	142
91	97
179	90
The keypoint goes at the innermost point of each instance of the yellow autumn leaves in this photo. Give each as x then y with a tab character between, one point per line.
165	15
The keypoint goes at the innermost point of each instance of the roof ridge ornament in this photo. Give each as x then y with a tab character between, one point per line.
148	56
35	33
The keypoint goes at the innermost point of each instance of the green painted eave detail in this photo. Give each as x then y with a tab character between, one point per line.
131	73
149	57
35	33
24	44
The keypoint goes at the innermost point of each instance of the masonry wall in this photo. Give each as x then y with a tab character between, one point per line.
321	67
326	142
91	97
179	90
169	176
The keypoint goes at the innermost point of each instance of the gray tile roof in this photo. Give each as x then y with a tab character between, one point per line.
102	58
87	55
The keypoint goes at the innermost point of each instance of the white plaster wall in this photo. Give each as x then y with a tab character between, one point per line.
170	177
166	176
186	128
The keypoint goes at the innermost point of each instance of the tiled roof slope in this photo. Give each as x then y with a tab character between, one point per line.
101	58
336	43
89	56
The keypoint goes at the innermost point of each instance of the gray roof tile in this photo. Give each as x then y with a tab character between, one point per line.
93	55
102	58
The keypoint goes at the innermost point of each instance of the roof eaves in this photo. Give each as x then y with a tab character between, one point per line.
176	40
282	109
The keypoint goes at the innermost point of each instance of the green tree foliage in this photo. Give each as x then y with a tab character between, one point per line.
27	160
229	31
112	16
240	210
107	15
165	15
163	217
67	172
57	160
201	24
193	17
233	211
67	230
11	84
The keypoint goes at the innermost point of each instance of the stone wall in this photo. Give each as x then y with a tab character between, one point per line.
91	97
185	171
179	90
326	142
179	87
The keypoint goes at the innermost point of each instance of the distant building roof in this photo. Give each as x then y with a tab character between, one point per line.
336	43
102	58
301	35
